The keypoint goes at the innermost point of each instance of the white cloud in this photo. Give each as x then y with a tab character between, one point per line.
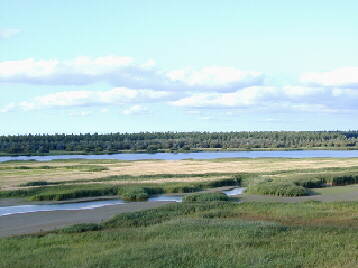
301	91
86	98
8	33
342	77
118	71
213	87
269	98
219	78
241	98
80	113
123	71
135	109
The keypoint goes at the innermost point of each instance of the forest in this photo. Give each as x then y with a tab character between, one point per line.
176	141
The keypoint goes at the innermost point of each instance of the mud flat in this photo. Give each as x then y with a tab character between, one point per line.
50	220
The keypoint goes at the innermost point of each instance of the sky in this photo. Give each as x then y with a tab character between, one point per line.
127	66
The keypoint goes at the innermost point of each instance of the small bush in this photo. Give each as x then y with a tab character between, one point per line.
37	183
82	227
64	193
277	189
206	197
22	167
309	183
138	193
235	180
344	180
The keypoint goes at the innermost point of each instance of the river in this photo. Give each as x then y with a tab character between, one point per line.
201	155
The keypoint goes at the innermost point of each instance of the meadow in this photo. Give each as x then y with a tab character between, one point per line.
296	213
200	234
59	180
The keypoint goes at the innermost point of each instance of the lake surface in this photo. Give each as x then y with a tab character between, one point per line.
9	210
202	155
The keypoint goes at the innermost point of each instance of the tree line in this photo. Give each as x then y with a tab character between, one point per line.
175	141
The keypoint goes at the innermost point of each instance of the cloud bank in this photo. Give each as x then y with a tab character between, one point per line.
211	87
124	72
86	98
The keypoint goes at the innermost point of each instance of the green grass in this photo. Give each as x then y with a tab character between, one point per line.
65	193
81	227
137	193
214	234
277	189
54	191
61	192
206	197
337	190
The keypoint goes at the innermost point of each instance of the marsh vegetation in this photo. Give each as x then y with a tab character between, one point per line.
200	234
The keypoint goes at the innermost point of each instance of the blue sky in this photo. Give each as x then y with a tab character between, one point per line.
116	66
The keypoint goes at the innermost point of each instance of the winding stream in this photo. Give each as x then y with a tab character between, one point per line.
9	210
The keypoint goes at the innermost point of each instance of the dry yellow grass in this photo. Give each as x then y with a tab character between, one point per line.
15	177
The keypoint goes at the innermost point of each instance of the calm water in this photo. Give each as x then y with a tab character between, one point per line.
235	191
69	206
202	155
8	210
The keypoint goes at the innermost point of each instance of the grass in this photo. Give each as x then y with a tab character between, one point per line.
81	227
288	181
214	234
150	177
86	168
206	197
65	193
277	189
136	193
53	191
337	190
61	192
38	183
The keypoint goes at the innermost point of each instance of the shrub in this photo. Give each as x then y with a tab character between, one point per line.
277	189
82	227
133	193
344	180
309	183
64	193
236	180
37	183
206	197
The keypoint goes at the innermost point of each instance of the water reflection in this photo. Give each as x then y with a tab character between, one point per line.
235	191
201	155
96	204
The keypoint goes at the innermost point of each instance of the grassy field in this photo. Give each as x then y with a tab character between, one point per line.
14	173
136	180
289	217
200	234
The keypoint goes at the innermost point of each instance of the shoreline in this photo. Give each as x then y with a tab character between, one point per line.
196	150
35	222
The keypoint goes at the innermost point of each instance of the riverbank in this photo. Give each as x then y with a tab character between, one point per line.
193	150
35	222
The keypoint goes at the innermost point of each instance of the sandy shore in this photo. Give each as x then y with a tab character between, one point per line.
50	220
